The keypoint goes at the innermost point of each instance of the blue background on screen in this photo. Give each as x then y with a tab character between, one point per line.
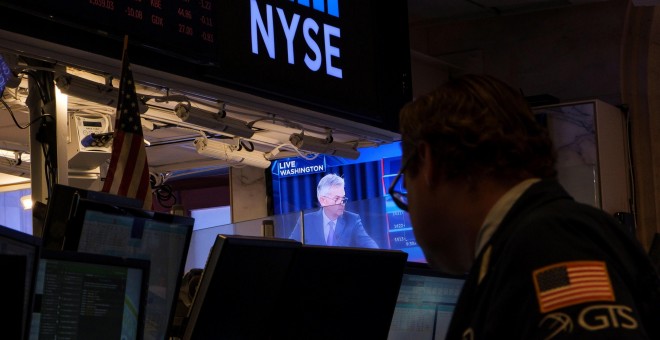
367	179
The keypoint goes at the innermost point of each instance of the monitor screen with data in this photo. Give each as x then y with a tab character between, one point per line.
89	296
161	238
425	304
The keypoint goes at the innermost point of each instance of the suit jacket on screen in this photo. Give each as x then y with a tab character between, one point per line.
349	231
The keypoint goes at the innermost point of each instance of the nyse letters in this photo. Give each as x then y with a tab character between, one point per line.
319	44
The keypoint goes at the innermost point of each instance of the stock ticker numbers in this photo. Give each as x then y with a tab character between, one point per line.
184	24
400	230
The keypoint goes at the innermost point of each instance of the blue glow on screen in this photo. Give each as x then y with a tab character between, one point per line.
5	74
367	179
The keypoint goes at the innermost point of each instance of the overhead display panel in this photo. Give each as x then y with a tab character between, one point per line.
184	29
348	59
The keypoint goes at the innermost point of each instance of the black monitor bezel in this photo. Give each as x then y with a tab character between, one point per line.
425	269
215	269
30	241
284	321
298	308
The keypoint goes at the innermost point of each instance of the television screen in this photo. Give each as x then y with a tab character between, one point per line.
163	239
366	180
89	296
425	303
19	253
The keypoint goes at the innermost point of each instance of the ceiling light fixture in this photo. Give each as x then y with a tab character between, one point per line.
216	121
26	202
104	94
230	153
323	146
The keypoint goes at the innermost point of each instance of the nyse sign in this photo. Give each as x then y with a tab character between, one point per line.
346	59
320	38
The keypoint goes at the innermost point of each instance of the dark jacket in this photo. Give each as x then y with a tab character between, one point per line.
559	269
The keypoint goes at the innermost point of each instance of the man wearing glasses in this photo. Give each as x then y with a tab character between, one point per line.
484	201
332	225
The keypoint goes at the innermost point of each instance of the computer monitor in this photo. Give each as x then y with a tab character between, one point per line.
340	293
425	304
59	209
14	305
239	289
19	253
89	296
272	288
161	238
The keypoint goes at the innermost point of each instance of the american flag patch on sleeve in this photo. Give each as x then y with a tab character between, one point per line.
570	283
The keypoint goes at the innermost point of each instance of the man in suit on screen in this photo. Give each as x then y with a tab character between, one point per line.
332	225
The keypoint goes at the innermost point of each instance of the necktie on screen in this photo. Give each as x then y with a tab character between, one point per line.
331	233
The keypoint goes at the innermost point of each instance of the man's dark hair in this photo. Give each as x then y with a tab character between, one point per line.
478	125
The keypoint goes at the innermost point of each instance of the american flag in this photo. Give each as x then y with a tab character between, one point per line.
128	173
571	283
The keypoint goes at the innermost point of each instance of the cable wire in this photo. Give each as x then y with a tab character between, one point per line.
13	117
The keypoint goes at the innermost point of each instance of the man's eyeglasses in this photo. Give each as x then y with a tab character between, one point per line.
338	199
400	198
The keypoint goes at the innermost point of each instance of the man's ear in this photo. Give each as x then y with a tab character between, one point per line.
427	167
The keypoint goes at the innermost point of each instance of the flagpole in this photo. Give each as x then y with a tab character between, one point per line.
123	54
